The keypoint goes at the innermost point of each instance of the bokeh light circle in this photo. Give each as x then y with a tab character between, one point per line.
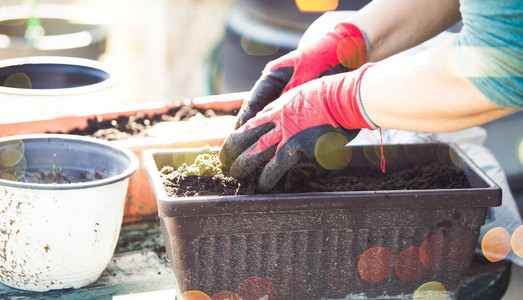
375	264
18	80
330	151
431	291
496	244
408	265
253	48
433	252
344	52
316	5
194	295
13	154
517	241
226	295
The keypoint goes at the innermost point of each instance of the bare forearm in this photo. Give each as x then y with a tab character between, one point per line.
425	93
396	25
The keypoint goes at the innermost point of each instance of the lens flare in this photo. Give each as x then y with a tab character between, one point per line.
194	295
433	252
375	264
373	154
316	5
256	288
10	157
344	52
517	241
408	265
431	291
330	152
226	295
256	49
496	244
18	80
8	176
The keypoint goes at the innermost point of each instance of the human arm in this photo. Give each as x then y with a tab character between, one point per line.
425	92
392	26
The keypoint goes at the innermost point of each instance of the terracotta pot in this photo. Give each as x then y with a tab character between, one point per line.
140	203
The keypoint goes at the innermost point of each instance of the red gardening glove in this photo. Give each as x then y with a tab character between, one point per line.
290	128
341	50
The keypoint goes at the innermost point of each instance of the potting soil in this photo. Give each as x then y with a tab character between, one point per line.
138	125
305	178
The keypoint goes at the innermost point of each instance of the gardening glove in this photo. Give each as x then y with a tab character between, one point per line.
342	49
315	120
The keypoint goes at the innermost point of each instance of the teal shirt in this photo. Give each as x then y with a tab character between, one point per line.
489	49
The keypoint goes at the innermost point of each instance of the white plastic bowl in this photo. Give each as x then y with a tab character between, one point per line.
60	235
40	87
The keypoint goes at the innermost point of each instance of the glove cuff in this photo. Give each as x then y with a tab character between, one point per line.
341	97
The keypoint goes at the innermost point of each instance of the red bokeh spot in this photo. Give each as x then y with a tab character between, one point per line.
375	264
408	265
226	295
433	252
254	288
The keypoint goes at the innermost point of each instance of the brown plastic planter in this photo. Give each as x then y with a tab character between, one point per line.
326	245
140	203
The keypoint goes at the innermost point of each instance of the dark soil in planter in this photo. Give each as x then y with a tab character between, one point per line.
305	178
137	125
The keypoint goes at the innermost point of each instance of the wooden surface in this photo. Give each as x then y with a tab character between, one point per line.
139	265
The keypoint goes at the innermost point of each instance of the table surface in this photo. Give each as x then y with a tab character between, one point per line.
139	265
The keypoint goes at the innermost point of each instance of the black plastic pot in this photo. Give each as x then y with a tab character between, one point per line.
327	245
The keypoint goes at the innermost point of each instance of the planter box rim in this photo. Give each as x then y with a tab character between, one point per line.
488	195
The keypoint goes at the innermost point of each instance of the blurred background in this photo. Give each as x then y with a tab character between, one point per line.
166	50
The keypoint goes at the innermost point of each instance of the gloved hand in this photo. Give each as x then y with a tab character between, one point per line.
341	50
321	114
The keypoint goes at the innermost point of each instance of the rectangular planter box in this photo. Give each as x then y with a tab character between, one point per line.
367	244
140	202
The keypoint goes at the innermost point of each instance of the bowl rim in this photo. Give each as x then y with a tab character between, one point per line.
59	60
132	168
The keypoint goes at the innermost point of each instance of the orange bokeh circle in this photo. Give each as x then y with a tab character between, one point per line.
433	252
194	295
517	241
375	264
496	244
408	265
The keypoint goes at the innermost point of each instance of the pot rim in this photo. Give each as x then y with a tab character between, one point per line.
59	60
133	162
68	12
